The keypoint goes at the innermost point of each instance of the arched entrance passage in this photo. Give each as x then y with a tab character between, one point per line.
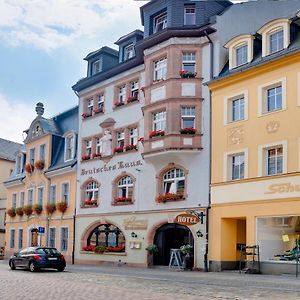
34	237
170	236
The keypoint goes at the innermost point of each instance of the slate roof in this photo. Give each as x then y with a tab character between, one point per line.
8	149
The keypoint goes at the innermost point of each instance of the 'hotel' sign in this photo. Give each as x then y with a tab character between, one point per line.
186	219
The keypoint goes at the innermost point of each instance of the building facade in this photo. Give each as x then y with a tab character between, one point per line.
144	140
256	148
42	187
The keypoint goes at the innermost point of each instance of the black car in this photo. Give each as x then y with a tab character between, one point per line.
35	258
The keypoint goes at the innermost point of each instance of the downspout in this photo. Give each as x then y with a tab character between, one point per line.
206	264
47	218
74	226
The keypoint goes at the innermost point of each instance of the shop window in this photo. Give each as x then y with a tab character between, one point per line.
160	69
189	15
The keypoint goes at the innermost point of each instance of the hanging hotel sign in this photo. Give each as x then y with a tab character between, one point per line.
186	219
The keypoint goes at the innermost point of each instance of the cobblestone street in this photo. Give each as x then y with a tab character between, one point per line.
80	282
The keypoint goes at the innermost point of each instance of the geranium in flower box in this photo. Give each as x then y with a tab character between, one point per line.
37	208
122	199
120	248
86	115
85	157
19	211
29	168
141	139
88	248
98	110
90	202
95	155
50	208
11	212
187	74
27	210
119	103
40	164
156	133
189	130
118	150
130	147
168	197
62	206
132	99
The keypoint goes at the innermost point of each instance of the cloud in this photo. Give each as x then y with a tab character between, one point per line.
53	24
15	117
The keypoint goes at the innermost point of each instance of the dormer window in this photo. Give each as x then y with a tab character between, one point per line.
96	67
129	52
160	22
241	54
69	146
189	15
19	164
276	41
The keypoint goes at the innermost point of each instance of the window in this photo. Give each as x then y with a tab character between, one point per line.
69	147
133	136
100	102
274	161
274	98
42	152
65	192
160	69
120	139
125	187
52	197
159	121
92	191
189	15
22	199
88	147
52	237
188	117
64	239
135	89
14	200
241	55
174	182
20	241
129	52
30	197
32	156
238	109
19	164
90	106
40	199
160	22
237	163
12	238
189	62
96	67
276	41
98	145
122	93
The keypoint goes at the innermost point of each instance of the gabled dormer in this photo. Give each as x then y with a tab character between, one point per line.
101	60
127	44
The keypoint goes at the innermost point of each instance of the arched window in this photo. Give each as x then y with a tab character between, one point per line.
90	194
109	236
174	182
125	187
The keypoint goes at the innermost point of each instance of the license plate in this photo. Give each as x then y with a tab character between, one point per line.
52	258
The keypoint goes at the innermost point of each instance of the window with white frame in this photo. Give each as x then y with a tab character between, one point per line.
122	93
64	235
276	42
12	238
237	109
160	22
32	155
125	187
273	98
241	55
65	192
189	15
98	145
160	69
100	102
95	67
30	197
40	199
42	151
120	139
90	105
52	237
188	117
174	181
129	52
274	160
14	200
133	136
19	164
20	240
88	147
159	121
92	191
69	147
189	62
52	196
236	166
135	89
22	199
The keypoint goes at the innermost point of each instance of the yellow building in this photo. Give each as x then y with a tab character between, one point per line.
256	150
41	191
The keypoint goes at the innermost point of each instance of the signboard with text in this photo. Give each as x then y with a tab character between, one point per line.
186	219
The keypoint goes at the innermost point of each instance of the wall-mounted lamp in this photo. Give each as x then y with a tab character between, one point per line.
133	234
199	233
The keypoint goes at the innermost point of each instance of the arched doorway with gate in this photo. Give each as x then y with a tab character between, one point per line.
34	237
170	236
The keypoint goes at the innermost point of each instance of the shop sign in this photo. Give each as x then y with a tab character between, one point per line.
283	188
186	219
134	223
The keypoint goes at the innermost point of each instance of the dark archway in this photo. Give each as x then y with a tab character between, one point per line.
34	237
170	236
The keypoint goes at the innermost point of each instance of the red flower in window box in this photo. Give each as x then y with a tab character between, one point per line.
85	157
120	248
118	150
189	130
50	208
40	164
37	208
141	139
168	197
156	133
27	210
88	248
90	202
132	99
62	206
122	199
19	211
11	212
98	110
130	147
86	115
119	103
29	168
187	74
94	155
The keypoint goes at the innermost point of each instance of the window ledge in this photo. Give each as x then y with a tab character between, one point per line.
271	112
104	253
120	203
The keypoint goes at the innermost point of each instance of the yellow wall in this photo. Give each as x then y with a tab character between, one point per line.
5	169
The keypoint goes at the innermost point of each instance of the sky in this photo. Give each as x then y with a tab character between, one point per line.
42	46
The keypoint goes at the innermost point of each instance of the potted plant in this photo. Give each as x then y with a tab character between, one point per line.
50	208
62	206
11	212
19	211
27	210
100	249
37	208
186	251
40	164
151	249
29	168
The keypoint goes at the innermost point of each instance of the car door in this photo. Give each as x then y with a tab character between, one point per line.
16	258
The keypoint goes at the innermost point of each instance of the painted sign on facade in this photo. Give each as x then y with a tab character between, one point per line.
134	223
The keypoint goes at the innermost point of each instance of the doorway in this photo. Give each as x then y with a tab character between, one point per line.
34	237
170	236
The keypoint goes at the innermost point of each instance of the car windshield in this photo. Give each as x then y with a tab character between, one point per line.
47	251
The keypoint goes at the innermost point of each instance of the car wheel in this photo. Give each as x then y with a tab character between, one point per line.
61	269
12	265
32	267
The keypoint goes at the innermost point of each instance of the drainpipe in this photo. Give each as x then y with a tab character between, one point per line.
74	226
47	218
206	263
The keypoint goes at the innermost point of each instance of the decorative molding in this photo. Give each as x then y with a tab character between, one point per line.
235	135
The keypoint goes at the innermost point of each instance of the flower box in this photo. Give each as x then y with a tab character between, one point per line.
156	133
119	103
27	210
122	199
86	115
37	208
11	212
187	74
98	110
100	249
168	197
62	206
40	164
118	150
132	99
19	211
188	130
50	208
130	147
88	248
90	203
116	248
29	168
95	155
85	157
